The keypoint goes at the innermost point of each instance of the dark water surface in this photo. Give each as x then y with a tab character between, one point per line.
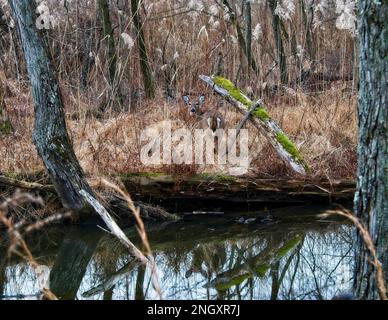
288	253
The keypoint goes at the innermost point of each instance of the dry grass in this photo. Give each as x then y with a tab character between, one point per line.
17	244
323	126
323	123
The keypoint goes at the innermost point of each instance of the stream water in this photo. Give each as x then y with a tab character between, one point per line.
286	253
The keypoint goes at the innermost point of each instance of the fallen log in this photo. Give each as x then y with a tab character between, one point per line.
159	186
237	189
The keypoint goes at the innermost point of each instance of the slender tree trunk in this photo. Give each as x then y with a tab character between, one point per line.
281	56
87	59
248	32
50	136
240	35
308	16
148	80
371	200
103	6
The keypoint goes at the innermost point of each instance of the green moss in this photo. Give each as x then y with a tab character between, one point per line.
141	174
237	94
218	177
287	247
258	271
290	147
5	127
233	282
261	270
262	114
233	90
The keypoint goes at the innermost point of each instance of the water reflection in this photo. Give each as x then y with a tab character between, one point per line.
292	257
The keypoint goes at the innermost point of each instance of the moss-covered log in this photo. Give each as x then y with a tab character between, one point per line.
262	120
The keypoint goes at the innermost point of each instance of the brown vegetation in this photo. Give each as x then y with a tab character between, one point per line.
184	41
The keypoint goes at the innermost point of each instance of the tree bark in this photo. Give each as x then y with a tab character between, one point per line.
308	16
240	36
148	80
50	136
281	56
287	150
5	124
103	7
248	32
371	199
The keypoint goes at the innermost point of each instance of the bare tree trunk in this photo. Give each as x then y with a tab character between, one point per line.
240	35
50	136
248	32
87	59
371	200
281	56
103	7
148	80
308	16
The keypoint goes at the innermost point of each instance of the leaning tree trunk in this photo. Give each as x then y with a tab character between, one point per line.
50	135
260	118
148	80
371	200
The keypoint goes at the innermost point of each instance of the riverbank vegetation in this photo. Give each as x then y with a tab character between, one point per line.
81	82
315	106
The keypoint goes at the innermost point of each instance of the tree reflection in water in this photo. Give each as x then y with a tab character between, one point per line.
214	258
